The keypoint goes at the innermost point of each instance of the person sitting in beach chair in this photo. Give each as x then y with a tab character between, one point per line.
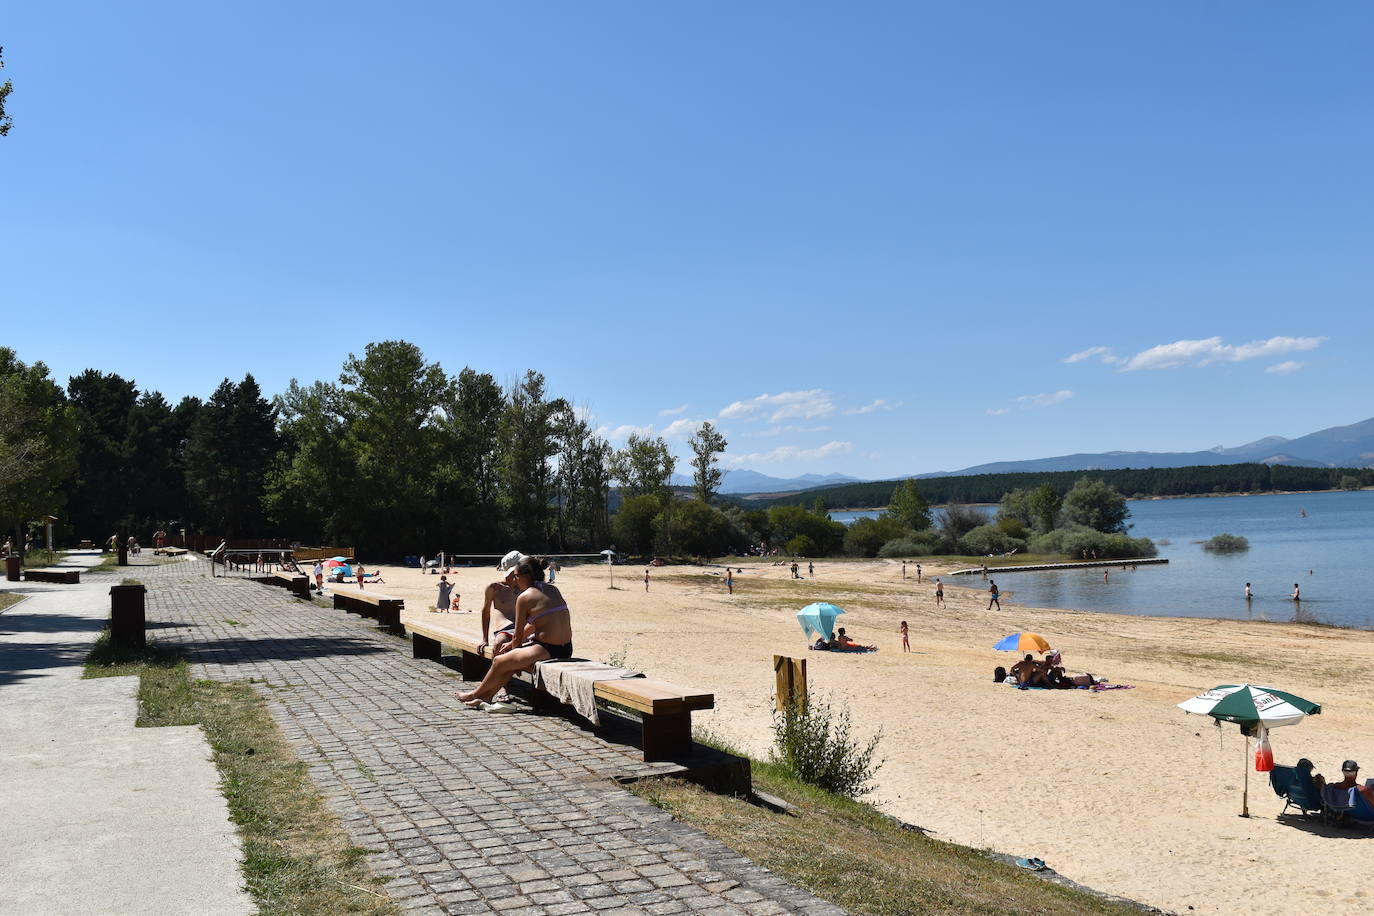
1297	786
1350	773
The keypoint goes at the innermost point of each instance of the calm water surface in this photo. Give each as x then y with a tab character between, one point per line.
1335	541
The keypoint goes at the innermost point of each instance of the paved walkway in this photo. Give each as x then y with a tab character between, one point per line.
467	812
97	816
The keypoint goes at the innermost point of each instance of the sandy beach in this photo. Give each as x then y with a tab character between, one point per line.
1119	790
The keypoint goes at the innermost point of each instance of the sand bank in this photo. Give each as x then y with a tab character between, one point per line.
1118	790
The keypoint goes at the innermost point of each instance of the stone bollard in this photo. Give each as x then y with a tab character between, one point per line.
13	565
126	614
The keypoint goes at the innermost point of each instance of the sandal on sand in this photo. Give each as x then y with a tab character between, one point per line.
1033	864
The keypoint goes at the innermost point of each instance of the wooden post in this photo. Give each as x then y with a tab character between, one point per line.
790	674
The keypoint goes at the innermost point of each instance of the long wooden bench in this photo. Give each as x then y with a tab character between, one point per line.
63	575
297	584
664	709
385	608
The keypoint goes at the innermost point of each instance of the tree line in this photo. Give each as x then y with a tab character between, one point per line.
396	456
1137	482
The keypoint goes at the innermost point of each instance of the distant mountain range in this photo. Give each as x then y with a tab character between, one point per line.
1339	446
753	482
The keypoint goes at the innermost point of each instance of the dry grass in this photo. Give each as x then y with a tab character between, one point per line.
8	599
848	853
297	857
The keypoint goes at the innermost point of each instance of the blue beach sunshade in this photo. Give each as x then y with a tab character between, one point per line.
819	618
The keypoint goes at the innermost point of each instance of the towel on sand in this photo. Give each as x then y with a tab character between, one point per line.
573	681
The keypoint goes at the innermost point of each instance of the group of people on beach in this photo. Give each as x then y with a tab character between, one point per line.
535	626
1048	673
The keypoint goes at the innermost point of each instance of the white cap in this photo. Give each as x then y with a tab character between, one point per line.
510	560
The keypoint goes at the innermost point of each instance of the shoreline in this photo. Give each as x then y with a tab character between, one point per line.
957	746
1139	499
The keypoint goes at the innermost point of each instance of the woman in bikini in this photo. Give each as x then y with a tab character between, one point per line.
541	617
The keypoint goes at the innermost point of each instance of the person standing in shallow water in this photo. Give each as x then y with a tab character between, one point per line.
1249	595
1297	593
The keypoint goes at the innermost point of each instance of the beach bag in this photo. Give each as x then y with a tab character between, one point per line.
999	674
1264	754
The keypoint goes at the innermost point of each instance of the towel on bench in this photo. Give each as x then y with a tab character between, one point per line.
573	681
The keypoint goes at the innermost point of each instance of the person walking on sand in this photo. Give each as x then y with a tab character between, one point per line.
729	580
646	580
918	573
811	569
904	570
318	572
906	642
939	593
993	595
794	570
445	587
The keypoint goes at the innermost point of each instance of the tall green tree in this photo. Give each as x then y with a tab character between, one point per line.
643	466
1095	504
908	508
582	483
38	432
706	443
467	477
529	442
103	491
1043	505
229	452
391	401
314	470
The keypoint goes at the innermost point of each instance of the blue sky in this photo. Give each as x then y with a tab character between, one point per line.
863	238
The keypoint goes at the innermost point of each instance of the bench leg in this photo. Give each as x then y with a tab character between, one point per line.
667	736
473	667
426	648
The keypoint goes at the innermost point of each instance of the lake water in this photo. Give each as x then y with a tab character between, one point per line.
1334	541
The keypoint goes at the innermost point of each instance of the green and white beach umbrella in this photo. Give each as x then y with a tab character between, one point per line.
1254	708
1249	704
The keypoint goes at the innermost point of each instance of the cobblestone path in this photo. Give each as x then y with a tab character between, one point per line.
466	812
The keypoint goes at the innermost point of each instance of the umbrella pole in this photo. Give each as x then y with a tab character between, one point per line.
1245	793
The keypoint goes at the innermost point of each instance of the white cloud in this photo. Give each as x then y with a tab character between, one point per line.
879	404
1285	367
789	453
791	428
1213	350
623	432
785	404
1032	402
681	429
672	411
1105	352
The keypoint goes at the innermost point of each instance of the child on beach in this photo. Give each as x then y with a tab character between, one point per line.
906	644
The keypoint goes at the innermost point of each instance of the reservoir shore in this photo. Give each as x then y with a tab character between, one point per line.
1118	790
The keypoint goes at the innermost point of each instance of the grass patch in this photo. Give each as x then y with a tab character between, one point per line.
848	853
9	598
297	858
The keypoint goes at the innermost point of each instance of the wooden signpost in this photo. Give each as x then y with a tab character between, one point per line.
791	681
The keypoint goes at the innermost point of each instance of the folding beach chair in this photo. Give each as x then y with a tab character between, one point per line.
1296	786
1336	804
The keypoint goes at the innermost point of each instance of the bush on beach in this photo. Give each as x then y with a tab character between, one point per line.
990	540
812	743
1076	541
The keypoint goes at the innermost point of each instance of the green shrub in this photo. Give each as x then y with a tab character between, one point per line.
1078	540
989	539
802	546
813	744
1013	527
904	547
1227	543
866	535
